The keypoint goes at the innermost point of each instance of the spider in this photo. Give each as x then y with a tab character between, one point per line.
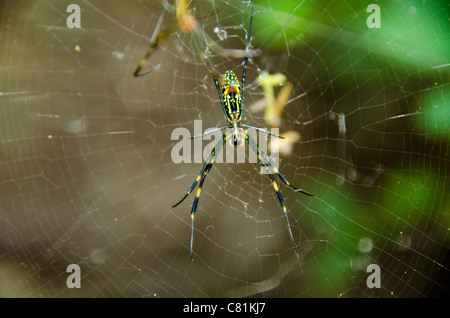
186	22
231	96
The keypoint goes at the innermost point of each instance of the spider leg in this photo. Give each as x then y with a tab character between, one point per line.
264	130
194	207
244	71
265	161
216	82
154	44
201	177
210	131
283	206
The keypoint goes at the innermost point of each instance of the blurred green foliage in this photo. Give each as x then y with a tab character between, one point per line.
434	116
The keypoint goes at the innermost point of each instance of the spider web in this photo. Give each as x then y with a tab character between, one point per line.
87	176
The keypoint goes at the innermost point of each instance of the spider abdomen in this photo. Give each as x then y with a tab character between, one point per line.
232	100
233	105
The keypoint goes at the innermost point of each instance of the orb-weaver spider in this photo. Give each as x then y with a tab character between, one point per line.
231	98
186	23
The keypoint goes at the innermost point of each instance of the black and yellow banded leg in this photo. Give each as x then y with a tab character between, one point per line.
202	174
201	178
283	206
265	161
210	161
195	204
